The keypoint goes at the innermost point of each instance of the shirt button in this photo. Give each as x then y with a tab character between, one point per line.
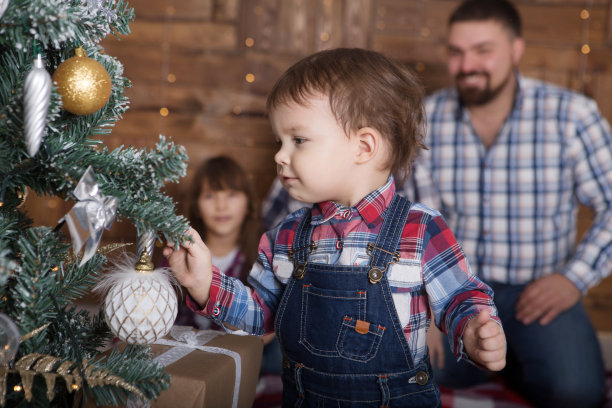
339	244
346	214
216	311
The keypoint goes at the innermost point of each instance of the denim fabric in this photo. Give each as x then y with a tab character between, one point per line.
558	365
342	341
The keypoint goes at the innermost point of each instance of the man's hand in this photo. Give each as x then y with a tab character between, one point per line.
545	298
484	342
191	263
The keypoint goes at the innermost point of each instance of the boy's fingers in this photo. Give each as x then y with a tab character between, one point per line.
488	330
493	343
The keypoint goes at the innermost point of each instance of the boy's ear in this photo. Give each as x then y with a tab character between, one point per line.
368	144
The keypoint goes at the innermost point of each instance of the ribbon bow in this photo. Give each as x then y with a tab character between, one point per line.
191	338
89	216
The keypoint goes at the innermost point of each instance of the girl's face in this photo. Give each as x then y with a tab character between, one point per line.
222	211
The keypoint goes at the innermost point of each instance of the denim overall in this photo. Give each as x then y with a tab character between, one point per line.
342	341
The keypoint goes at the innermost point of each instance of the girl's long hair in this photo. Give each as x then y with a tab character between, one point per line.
224	173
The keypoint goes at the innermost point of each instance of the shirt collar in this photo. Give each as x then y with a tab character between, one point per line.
370	207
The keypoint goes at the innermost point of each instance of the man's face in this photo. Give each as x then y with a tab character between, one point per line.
482	57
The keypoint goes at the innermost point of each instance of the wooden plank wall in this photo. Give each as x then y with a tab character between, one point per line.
211	63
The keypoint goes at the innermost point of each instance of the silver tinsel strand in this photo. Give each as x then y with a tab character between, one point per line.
36	97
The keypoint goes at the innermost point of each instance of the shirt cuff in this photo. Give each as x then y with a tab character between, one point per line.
576	271
210	309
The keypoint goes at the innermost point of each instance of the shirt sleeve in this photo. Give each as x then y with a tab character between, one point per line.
246	308
455	294
592	169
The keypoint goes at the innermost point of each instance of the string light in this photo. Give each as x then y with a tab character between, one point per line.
249	42
166	76
324	37
585	48
17	388
249	77
584	14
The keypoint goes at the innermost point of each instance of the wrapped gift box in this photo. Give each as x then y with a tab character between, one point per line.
208	379
202	365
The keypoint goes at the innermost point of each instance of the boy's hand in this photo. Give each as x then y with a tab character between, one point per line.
484	341
192	266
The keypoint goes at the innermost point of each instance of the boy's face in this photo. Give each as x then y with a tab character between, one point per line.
315	157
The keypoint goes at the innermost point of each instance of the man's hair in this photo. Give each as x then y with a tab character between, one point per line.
365	89
502	11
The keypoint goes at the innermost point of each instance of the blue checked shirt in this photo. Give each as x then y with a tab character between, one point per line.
513	207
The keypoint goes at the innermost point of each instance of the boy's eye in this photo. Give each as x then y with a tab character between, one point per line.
299	140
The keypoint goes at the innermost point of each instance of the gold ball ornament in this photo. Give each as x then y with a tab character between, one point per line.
83	83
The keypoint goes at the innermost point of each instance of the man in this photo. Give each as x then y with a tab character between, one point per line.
510	159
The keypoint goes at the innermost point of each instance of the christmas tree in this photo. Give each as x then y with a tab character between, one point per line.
59	95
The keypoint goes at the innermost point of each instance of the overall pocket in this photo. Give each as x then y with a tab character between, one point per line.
324	325
359	340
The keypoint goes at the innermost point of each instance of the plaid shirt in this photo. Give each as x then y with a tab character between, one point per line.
513	206
432	270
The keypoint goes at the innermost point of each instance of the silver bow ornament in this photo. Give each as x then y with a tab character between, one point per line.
89	216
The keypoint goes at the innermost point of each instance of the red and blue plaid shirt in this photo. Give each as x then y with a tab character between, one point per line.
432	271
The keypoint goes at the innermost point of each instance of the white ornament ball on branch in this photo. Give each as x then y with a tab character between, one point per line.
141	303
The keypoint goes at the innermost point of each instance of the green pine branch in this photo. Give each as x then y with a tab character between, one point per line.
40	278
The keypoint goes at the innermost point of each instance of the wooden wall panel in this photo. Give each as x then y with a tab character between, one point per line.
222	57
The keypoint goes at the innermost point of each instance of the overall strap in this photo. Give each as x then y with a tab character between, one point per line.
386	249
302	246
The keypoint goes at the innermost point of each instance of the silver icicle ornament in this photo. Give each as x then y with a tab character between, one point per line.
36	97
3	5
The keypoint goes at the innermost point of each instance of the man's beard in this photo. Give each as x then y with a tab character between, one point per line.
473	96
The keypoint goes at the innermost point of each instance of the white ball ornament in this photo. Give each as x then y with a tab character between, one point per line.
141	304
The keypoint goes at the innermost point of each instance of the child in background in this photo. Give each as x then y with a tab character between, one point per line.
221	208
347	285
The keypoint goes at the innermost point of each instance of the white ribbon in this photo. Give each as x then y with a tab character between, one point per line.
187	340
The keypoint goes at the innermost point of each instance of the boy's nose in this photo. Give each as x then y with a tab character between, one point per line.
281	157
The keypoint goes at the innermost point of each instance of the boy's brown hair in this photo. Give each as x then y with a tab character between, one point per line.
365	89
